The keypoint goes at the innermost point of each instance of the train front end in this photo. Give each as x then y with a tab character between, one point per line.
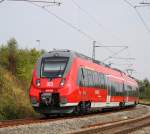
48	90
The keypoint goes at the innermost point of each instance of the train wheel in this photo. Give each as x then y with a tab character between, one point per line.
77	110
121	105
85	107
46	115
82	108
135	103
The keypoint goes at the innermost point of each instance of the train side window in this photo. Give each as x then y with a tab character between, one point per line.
82	77
102	80
112	88
89	78
79	78
94	79
121	89
129	90
98	80
109	87
134	91
125	90
137	92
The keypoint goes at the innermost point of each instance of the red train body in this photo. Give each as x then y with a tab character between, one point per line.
66	82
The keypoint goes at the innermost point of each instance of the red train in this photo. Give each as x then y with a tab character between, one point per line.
66	82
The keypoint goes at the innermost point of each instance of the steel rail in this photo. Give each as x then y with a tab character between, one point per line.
118	127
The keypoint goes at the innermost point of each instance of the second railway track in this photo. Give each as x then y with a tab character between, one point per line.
119	127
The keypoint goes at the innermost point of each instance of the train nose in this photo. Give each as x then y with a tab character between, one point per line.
46	98
50	99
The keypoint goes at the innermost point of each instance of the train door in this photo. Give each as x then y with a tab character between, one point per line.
108	99
82	82
126	93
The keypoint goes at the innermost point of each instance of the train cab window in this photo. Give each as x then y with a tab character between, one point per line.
53	67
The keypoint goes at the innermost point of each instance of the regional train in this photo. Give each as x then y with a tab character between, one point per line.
67	82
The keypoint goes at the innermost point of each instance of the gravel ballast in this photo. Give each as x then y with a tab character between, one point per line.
74	124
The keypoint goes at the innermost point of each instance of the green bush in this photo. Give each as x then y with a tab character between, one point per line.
14	102
144	89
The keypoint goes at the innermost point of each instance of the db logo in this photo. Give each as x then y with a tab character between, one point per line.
50	84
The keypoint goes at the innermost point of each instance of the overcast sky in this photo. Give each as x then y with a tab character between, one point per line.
110	22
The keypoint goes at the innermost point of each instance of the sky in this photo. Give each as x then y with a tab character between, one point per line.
108	22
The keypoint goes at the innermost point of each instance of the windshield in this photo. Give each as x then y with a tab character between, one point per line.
53	67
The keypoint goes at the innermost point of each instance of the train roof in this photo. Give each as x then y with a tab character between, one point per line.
66	52
70	53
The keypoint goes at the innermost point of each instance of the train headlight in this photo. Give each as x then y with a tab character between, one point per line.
46	98
62	83
38	83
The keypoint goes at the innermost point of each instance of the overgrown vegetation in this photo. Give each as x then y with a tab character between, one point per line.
16	67
14	103
145	90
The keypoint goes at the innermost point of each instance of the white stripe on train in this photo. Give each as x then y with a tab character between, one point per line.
99	104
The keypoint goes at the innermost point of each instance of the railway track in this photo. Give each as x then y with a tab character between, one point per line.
17	122
118	127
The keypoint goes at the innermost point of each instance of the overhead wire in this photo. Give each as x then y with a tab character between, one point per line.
142	20
87	13
35	1
93	19
139	15
122	58
121	64
2	1
142	6
126	1
116	53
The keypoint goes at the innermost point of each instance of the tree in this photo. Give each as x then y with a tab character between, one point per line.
12	55
144	89
4	56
